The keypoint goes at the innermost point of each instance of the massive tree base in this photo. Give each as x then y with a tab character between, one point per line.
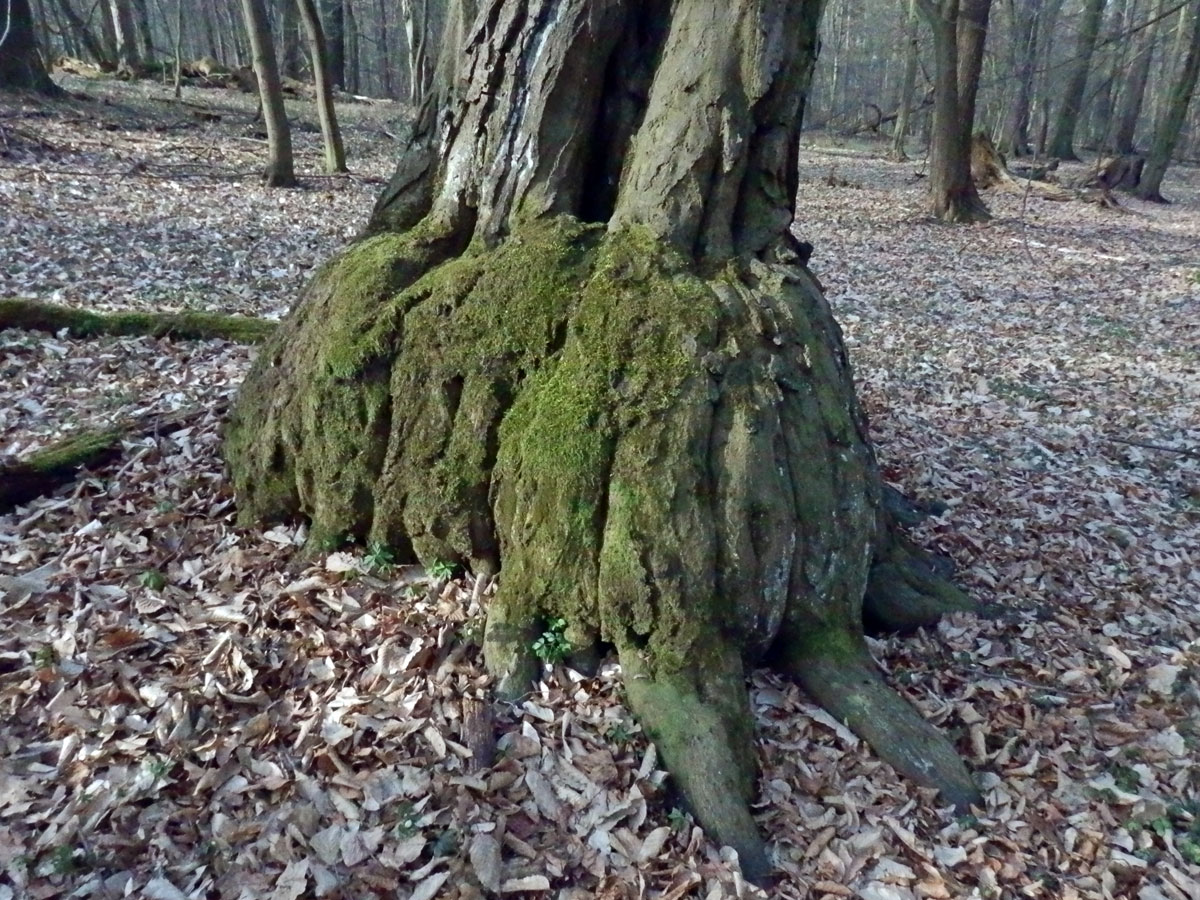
672	461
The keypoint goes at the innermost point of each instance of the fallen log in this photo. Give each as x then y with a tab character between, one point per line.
43	471
32	315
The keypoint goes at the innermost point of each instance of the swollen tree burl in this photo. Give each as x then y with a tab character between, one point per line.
579	348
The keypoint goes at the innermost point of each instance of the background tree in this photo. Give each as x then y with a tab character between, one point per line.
279	171
911	56
959	32
21	63
1022	42
335	154
1062	144
1166	135
581	347
121	15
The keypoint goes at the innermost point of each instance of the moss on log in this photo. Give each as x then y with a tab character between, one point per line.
43	471
32	315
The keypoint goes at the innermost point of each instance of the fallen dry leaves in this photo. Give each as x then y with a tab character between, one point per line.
190	710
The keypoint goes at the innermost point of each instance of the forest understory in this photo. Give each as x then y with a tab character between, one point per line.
189	709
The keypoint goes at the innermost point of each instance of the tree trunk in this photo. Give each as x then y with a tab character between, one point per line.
83	32
1130	107
1062	144
140	13
279	171
289	43
959	31
586	353
1023	15
1166	134
331	136
350	34
128	57
21	64
911	50
416	32
334	24
178	86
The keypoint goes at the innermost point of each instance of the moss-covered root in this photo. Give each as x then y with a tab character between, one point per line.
508	639
31	315
700	722
837	671
45	470
906	590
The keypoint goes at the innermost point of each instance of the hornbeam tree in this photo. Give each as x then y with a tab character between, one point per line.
959	32
579	347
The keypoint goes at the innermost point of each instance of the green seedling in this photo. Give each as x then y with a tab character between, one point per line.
552	647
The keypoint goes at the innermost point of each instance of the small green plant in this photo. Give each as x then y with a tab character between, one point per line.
1189	850
407	820
552	647
164	506
620	733
441	570
62	861
677	819
379	557
470	632
447	843
157	766
45	657
1125	778
153	580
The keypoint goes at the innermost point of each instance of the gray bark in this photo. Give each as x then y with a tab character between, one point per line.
1023	18
1134	93
908	83
1062	143
1166	134
279	171
335	154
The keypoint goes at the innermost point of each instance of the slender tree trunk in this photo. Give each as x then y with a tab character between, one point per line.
83	33
289	43
1166	134
335	155
128	57
353	62
178	88
416	33
279	171
385	49
1023	16
959	31
628	395
1130	108
1062	143
911	50
140	13
334	23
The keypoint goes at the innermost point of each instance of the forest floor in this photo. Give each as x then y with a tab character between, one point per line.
186	710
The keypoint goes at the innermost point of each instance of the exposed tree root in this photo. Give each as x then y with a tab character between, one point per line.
45	470
837	671
32	315
699	719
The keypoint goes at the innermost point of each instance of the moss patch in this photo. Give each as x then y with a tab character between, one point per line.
32	315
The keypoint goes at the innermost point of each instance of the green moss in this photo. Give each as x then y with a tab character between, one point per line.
73	452
36	316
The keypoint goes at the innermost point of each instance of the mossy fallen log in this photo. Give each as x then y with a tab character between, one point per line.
47	469
32	315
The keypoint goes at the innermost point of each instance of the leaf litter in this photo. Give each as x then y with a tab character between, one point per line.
191	710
